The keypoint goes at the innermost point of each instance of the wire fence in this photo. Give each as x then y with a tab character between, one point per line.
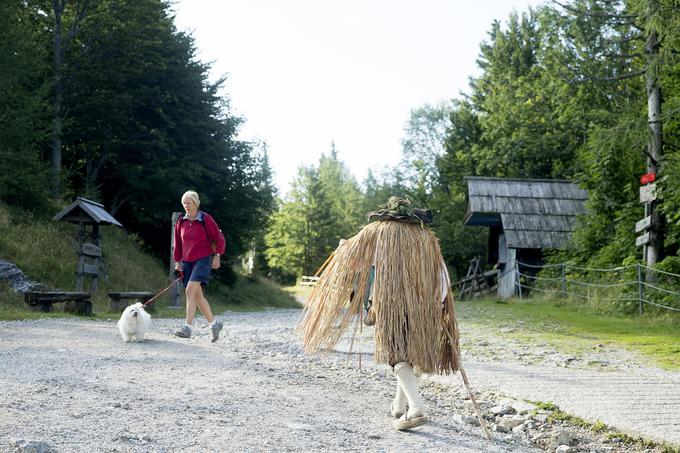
630	285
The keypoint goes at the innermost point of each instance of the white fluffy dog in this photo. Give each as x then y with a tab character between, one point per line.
134	322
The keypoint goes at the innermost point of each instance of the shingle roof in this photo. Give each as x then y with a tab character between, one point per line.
87	211
534	213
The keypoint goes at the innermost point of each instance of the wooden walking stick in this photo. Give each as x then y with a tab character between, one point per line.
351	343
467	386
357	325
474	402
323	266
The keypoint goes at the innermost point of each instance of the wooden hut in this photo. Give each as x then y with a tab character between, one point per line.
525	216
88	215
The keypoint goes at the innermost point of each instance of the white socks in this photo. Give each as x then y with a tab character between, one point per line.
399	404
406	380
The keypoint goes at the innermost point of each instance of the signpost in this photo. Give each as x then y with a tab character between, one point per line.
646	225
643	224
648	193
642	240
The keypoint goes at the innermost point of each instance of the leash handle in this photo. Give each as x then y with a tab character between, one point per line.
162	291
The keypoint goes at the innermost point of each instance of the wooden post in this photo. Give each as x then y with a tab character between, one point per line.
518	280
96	240
89	256
174	291
641	289
80	239
564	280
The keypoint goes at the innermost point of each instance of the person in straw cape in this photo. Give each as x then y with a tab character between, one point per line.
391	275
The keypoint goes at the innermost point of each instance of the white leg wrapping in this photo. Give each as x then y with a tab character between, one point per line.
407	381
399	404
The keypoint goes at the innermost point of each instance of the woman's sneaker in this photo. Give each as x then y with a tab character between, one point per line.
215	329
184	332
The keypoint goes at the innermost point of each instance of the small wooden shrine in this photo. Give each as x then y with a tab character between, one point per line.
89	215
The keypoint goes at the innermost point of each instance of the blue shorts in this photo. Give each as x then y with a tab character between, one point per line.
196	271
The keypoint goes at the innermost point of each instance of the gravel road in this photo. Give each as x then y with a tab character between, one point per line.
73	385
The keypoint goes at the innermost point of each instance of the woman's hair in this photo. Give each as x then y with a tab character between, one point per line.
193	196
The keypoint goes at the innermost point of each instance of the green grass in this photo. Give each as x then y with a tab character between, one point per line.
557	415
573	327
44	250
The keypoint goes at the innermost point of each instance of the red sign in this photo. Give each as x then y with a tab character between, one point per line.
647	178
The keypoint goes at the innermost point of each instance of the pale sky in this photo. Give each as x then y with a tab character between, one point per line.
305	73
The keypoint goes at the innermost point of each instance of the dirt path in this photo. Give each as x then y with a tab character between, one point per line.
73	385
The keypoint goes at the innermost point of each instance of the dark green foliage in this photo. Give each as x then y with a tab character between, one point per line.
295	240
603	44
324	206
459	243
377	189
139	121
422	145
562	95
142	134
668	280
24	120
342	192
612	110
143	124
512	125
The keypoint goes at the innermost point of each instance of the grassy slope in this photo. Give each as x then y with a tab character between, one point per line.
44	250
570	327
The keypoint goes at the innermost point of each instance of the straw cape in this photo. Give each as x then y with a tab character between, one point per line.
411	296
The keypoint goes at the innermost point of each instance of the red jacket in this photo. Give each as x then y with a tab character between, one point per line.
194	239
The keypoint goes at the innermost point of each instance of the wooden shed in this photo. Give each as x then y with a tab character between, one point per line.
525	216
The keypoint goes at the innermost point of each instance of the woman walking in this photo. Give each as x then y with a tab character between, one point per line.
199	242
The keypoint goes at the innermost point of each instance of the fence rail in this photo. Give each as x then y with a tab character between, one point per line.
307	280
633	283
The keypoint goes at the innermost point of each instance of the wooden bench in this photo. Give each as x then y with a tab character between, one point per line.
75	302
120	300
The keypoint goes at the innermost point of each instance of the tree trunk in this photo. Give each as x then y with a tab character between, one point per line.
654	144
57	61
